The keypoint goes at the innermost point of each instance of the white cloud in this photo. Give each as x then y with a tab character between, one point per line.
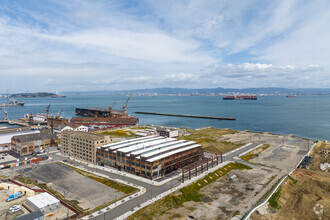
78	45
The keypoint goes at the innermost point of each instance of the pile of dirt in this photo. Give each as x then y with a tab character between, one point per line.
320	154
305	194
304	199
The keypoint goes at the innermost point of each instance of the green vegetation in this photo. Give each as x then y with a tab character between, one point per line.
292	179
44	186
273	200
111	183
117	133
252	154
140	127
210	139
128	190
31	95
188	193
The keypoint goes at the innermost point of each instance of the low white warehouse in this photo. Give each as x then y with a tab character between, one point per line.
44	202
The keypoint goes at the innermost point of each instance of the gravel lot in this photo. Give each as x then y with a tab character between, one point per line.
74	186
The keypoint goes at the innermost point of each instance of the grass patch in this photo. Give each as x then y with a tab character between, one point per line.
292	179
128	190
44	186
140	127
273	200
188	193
255	152
111	183
118	133
210	139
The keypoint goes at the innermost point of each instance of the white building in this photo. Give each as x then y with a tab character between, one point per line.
44	202
82	128
168	132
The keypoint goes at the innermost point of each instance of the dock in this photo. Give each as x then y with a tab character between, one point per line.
181	115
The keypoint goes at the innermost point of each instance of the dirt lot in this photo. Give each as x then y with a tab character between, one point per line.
224	198
5	213
306	196
284	152
74	186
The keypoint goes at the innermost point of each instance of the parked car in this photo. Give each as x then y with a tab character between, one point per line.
15	208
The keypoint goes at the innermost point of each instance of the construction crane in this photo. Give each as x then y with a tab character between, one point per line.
5	113
59	113
47	110
124	106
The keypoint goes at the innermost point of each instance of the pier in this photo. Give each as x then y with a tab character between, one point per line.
181	115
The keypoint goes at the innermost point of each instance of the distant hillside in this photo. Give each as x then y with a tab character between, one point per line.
31	95
205	91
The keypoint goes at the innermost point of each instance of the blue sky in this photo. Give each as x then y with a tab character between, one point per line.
113	45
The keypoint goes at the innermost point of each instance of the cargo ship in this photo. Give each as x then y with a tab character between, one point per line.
240	97
13	102
292	96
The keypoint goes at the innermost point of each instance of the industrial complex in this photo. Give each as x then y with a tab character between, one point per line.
151	156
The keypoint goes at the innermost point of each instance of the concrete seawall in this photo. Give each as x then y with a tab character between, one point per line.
181	115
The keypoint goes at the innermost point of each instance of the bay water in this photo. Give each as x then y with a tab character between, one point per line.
306	116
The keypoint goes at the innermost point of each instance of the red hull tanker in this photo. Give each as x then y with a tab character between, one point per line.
240	97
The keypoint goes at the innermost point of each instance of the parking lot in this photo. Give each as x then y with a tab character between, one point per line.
74	186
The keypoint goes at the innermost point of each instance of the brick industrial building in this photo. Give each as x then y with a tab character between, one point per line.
151	156
32	143
82	145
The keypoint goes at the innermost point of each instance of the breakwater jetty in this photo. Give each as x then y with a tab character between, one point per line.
181	115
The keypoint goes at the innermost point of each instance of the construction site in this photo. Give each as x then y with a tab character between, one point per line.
305	193
234	194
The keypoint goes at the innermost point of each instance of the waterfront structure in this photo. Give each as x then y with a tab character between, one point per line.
7	134
82	145
115	122
151	156
33	143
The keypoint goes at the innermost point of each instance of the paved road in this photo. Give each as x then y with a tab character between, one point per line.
151	190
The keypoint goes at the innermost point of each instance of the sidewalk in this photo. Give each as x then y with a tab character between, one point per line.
125	174
186	183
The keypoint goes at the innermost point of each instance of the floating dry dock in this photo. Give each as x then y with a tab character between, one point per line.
189	116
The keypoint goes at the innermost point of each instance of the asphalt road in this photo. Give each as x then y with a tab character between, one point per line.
151	190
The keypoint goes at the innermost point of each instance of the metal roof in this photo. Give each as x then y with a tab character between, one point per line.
43	200
146	150
172	152
127	141
6	138
144	145
148	155
134	143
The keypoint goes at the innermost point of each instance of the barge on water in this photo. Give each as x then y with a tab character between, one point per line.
240	97
13	102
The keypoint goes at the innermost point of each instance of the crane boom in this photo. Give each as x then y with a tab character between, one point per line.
129	96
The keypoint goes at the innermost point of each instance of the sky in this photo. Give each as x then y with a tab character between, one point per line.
81	45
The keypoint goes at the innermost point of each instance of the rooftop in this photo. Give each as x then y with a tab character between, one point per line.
6	138
43	199
85	135
35	136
